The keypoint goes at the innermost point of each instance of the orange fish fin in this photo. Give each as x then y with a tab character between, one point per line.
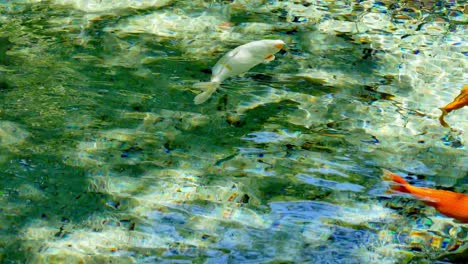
441	118
399	183
269	58
460	101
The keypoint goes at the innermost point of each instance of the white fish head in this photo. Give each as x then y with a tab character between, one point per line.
279	44
266	46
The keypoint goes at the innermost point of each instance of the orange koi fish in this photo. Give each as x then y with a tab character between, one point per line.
448	203
460	101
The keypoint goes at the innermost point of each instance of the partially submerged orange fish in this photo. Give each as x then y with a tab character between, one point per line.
460	101
448	203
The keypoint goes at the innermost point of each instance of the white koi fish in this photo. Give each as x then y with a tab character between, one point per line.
237	62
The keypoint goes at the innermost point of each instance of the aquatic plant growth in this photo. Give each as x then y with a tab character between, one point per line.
107	158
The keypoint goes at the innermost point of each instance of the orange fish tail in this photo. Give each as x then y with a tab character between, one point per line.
449	203
401	184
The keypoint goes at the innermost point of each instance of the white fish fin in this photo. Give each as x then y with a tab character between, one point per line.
208	89
269	58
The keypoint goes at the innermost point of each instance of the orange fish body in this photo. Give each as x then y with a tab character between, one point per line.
448	203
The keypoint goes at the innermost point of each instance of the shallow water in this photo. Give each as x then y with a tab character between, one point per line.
105	157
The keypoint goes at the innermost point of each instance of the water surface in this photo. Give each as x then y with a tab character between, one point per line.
106	158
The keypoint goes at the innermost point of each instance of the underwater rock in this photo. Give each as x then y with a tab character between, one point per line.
11	133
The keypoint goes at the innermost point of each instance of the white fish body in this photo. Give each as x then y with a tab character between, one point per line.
237	62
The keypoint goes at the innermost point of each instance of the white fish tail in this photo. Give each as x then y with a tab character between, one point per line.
208	89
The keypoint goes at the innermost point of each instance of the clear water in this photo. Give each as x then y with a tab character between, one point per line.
105	158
